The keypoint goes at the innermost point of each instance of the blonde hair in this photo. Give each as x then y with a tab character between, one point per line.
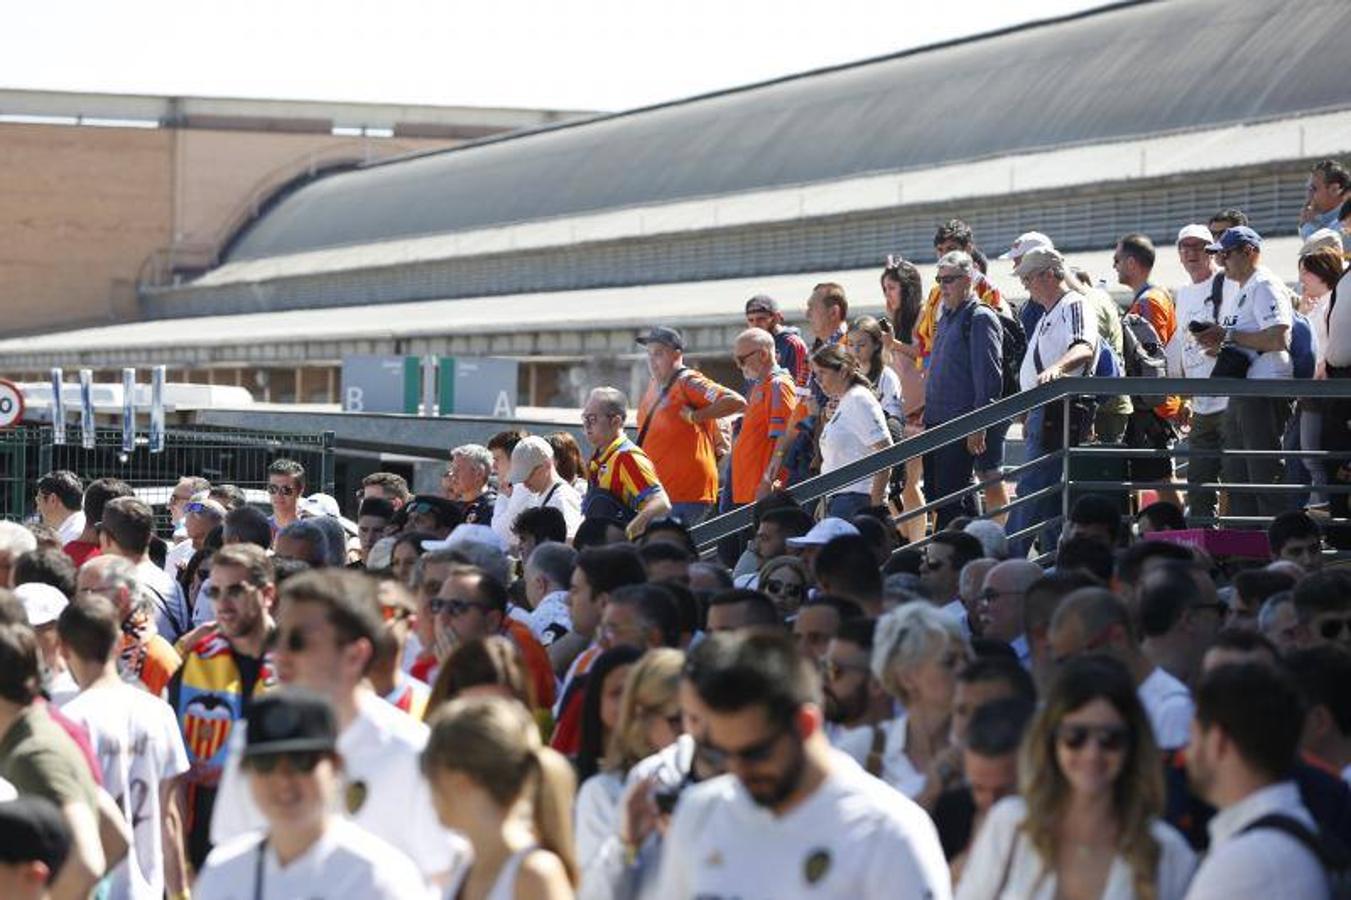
650	687
496	743
1138	794
906	637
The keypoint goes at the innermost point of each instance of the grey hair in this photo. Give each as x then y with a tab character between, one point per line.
16	540
115	573
477	454
611	400
1266	614
430	558
906	637
484	556
554	561
309	531
957	259
762	339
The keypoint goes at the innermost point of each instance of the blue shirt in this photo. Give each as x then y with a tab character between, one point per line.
1322	220
1030	315
965	369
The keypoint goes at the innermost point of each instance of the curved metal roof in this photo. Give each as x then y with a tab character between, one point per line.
1132	69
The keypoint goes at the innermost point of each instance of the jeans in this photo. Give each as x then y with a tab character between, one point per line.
1255	423
690	513
1033	479
946	470
846	506
1206	434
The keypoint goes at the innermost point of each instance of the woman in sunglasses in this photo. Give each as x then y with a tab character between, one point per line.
495	784
1087	823
785	580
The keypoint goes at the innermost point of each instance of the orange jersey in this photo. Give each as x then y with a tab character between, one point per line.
161	662
536	659
1161	312
769	408
926	328
682	452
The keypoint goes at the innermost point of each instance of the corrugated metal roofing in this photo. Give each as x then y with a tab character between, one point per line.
1129	70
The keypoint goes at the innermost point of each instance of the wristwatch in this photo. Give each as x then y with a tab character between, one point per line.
1229	335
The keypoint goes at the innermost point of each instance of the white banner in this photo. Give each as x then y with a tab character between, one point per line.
128	410
157	409
88	430
58	407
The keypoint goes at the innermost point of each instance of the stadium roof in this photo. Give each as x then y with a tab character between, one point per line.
1128	70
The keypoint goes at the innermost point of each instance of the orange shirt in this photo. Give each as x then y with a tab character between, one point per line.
1160	312
682	453
536	659
768	411
161	662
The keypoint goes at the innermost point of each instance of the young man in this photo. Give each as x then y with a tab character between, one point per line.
853	697
59	498
763	312
295	773
792	817
941	568
326	634
125	531
1295	536
140	750
285	487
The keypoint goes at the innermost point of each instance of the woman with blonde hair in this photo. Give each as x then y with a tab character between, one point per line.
917	653
785	580
496	784
649	720
1087	822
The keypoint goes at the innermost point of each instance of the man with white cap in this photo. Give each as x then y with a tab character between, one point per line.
1256	332
1030	313
43	604
822	533
1199	301
532	465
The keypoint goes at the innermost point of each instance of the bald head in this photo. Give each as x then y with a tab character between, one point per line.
1003	596
1090	619
754	351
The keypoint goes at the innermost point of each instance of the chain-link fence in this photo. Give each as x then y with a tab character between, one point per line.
221	455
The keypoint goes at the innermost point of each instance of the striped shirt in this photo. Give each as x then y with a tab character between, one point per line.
624	470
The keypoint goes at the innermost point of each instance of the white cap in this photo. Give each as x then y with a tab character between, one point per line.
994	543
1321	239
1195	232
42	602
318	505
468	533
1030	240
822	533
529	454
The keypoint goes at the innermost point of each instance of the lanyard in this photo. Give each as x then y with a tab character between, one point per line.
258	871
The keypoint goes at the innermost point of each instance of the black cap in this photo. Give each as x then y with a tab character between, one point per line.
290	720
763	303
32	829
660	334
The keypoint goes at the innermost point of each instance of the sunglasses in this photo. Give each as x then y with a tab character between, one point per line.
948	279
300	761
787	588
1109	738
233	592
454	607
755	753
284	489
200	508
1331	629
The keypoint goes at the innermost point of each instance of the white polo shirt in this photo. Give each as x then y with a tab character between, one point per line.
1186	358
1259	304
1169	706
1061	327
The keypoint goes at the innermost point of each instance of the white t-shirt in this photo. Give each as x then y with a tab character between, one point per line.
551	619
851	432
384	791
564	498
1061	327
171	612
596	814
345	862
1168	704
1186	358
852	837
1259	304
506	509
136	738
889	389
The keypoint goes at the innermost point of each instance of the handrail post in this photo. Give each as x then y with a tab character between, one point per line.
1065	463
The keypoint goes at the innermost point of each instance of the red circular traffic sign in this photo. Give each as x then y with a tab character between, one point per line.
11	404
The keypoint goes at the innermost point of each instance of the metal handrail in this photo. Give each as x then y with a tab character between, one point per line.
804	492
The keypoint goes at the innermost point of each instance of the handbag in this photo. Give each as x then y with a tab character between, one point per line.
1231	363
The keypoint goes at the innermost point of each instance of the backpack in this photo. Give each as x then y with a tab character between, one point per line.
1012	349
1142	352
1303	352
1331	854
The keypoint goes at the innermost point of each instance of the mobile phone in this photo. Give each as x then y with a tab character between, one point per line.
1196	327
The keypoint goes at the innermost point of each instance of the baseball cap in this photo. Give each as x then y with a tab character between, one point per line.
318	505
468	533
42	602
1323	238
1028	240
35	831
1195	232
1238	236
660	334
822	533
762	303
528	454
1038	259
290	720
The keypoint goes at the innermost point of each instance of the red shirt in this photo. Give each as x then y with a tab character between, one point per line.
81	551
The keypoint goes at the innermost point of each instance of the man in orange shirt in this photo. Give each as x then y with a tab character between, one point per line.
677	425
1154	428
144	656
756	458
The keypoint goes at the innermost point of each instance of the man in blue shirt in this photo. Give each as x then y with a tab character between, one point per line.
965	373
1328	188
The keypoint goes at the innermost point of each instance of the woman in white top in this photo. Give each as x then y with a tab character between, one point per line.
854	428
647	720
903	291
1319	272
495	784
1087	823
917	653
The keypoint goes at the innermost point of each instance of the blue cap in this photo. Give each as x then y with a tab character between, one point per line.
1238	236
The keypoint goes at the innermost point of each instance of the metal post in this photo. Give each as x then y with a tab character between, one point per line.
326	464
1065	465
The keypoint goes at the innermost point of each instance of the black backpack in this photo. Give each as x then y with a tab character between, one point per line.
1013	346
1143	356
1331	854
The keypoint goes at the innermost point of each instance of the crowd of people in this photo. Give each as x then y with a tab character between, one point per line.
531	684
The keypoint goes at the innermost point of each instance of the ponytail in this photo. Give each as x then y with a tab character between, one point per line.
555	785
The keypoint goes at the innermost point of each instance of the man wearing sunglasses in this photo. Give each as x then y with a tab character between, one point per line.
327	630
285	487
1323	609
295	776
792	817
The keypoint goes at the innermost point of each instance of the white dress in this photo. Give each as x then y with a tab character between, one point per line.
504	888
1000	846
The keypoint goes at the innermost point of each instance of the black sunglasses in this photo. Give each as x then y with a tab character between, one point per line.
948	279
301	761
756	753
775	586
284	489
1110	738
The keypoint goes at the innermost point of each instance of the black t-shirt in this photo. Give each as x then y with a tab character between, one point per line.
954	813
479	511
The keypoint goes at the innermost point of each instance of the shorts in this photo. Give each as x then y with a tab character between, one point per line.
993	457
1146	429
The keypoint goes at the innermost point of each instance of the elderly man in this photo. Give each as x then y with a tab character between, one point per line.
466	483
678	427
143	655
622	481
1064	343
965	374
757	459
1254	331
1000	613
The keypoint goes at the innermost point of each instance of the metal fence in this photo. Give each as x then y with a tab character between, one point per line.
221	455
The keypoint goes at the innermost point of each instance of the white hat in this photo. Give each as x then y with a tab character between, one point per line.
529	454
468	533
1195	232
42	602
993	541
1321	239
822	533
1030	240
318	505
